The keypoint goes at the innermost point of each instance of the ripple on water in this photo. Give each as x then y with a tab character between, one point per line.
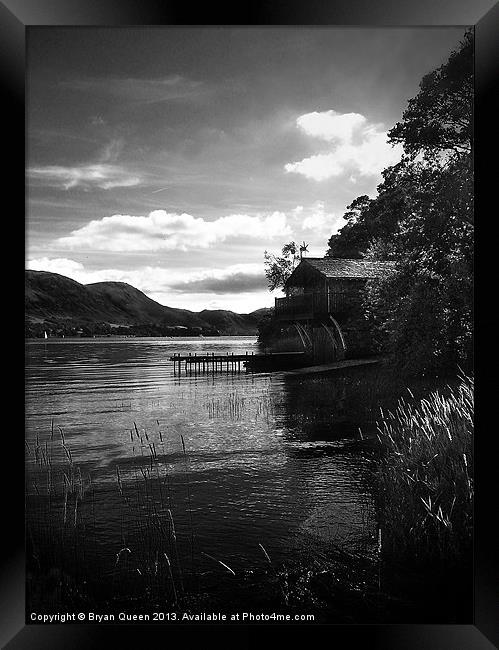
253	467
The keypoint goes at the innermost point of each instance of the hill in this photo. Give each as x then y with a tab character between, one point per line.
57	303
132	306
229	322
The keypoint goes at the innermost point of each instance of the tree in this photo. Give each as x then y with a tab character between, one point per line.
278	269
438	120
370	219
354	236
423	313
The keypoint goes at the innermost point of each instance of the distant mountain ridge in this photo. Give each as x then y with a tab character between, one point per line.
58	301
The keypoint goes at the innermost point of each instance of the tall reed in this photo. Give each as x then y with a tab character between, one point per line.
425	477
69	535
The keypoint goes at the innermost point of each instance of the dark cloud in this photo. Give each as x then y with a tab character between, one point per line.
234	283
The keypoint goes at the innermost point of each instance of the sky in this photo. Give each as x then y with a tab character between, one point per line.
171	158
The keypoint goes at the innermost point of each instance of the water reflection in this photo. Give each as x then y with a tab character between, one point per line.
333	407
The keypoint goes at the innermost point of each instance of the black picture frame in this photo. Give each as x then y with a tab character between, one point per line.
17	16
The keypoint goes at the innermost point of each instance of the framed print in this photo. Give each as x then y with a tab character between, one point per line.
250	308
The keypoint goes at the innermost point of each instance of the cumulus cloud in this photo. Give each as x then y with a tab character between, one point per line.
318	221
358	146
77	271
330	125
61	265
161	230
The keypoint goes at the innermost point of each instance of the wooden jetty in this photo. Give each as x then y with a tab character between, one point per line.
195	364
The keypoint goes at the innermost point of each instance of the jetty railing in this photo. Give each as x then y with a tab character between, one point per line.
210	362
195	364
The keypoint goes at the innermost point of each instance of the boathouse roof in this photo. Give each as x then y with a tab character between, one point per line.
332	267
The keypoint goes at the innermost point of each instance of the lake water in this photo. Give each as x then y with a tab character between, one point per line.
268	458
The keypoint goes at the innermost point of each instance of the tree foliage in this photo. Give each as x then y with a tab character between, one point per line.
370	219
438	120
279	268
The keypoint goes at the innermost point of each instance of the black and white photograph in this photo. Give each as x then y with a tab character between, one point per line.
249	325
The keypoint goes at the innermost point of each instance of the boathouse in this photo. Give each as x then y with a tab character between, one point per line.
323	305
